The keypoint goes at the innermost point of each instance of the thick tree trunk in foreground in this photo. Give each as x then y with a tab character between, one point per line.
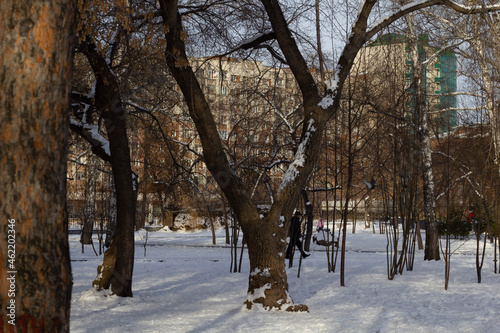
35	83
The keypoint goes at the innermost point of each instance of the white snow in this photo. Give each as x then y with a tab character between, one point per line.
254	38
300	157
93	130
331	89
183	284
326	102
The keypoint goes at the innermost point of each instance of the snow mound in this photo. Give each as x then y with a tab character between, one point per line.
93	295
140	234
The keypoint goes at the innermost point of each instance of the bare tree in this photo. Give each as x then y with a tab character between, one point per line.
265	236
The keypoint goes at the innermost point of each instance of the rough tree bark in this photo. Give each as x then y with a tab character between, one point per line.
35	83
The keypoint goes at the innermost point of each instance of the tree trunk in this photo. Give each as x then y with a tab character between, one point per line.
431	230
420	114
267	285
35	83
116	271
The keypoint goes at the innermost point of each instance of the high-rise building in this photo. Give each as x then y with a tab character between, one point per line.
386	66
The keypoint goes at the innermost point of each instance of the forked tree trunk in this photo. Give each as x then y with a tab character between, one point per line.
35	83
268	286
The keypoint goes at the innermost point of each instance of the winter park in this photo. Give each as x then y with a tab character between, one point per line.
182	283
249	166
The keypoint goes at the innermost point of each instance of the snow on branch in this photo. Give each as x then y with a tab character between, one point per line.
453	183
100	145
460	93
403	10
413	6
257	39
441	51
361	33
470	9
477	108
299	160
324	189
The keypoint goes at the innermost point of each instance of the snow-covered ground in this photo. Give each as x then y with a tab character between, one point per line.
183	284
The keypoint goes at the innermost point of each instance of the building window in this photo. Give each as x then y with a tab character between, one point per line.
223	75
210	74
235	78
223	90
438	72
223	135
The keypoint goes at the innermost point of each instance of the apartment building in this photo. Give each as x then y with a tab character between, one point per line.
386	65
257	109
252	104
